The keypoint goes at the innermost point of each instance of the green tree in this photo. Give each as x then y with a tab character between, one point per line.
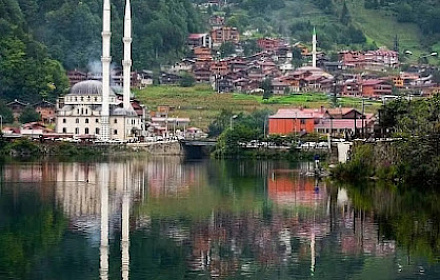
187	80
226	49
29	115
6	113
266	85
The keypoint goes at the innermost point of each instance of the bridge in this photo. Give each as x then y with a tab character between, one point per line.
197	148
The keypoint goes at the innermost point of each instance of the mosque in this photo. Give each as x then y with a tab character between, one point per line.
92	108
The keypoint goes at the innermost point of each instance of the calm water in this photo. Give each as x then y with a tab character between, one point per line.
164	218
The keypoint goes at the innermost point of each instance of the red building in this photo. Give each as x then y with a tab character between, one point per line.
297	120
376	88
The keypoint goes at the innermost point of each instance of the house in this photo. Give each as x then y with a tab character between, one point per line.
351	87
225	34
375	88
219	68
146	78
300	120
268	44
203	53
225	85
47	111
34	129
199	40
296	120
280	87
216	21
202	74
17	108
76	76
345	127
169	78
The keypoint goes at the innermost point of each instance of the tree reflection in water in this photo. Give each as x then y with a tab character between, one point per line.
169	219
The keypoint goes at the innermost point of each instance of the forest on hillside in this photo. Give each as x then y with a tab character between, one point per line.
41	38
338	21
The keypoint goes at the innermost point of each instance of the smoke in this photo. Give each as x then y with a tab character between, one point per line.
94	69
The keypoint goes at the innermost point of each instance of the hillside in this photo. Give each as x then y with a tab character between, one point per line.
41	38
362	24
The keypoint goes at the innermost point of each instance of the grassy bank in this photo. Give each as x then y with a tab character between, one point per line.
201	104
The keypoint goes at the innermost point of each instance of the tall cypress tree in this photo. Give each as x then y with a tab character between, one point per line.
345	15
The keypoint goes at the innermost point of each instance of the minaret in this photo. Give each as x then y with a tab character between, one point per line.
314	48
127	55
106	60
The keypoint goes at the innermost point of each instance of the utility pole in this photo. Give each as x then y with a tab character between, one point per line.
363	110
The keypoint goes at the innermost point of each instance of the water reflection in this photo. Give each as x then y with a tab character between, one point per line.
166	219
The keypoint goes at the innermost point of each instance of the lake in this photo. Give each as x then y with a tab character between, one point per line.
166	218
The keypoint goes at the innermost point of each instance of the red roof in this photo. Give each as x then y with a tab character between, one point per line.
196	35
298	114
371	82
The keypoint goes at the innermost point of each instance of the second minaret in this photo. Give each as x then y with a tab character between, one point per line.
126	63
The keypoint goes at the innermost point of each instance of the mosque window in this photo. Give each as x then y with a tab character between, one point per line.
115	131
87	120
77	120
86	130
64	120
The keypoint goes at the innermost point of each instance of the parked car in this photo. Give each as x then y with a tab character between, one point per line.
308	145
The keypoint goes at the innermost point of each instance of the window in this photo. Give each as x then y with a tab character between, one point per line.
303	121
77	130
77	111
115	121
64	130
96	120
82	98
82	111
86	130
87	120
77	120
87	111
64	120
115	131
96	98
97	130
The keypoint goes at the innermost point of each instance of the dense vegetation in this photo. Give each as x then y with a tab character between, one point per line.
413	159
39	38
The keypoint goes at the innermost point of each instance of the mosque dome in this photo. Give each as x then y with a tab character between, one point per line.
118	111
89	87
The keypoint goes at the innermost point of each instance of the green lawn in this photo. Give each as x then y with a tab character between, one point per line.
201	104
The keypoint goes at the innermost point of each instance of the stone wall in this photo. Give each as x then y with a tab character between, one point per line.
158	148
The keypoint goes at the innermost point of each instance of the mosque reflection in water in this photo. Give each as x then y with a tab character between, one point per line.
209	218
